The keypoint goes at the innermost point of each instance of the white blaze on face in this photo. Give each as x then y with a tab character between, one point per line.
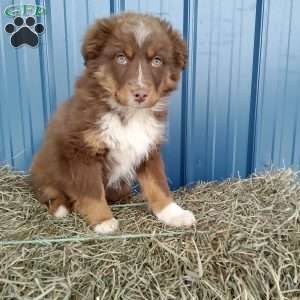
140	76
141	32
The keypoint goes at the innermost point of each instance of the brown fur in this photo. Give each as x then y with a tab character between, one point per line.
153	181
71	167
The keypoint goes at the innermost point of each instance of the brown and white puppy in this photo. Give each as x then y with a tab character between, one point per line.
110	131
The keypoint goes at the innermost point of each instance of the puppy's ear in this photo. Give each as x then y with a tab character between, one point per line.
95	39
180	50
179	45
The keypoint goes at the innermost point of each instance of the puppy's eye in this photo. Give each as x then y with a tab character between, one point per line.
156	61
121	59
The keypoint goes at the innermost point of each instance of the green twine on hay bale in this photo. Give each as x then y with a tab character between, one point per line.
246	246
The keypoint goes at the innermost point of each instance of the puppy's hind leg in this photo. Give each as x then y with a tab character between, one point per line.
57	203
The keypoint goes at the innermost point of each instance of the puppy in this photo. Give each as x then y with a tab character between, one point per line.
110	132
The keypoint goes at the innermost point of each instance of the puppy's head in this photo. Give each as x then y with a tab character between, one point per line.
136	58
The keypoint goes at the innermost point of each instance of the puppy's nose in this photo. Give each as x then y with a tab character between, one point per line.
140	95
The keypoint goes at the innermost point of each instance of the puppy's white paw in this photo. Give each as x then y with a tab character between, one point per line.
108	226
174	215
61	212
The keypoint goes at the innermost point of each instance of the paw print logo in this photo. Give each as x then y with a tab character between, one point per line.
24	31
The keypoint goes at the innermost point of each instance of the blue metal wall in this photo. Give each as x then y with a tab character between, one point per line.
277	134
237	107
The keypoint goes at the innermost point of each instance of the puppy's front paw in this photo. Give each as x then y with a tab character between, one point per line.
174	215
108	226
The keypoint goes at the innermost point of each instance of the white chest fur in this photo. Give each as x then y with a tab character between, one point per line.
129	142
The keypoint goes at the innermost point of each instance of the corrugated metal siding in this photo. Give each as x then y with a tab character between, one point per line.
218	88
236	109
278	110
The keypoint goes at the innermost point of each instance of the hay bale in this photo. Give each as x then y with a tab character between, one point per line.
246	246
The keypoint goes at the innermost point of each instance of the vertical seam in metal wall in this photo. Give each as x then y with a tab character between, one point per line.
48	62
122	5
2	137
229	94
209	109
2	147
286	79
297	105
216	81
21	101
277	111
295	134
117	6
184	95
9	128
188	92
42	74
112	6
27	102
234	154
263	69
87	14
67	49
255	86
